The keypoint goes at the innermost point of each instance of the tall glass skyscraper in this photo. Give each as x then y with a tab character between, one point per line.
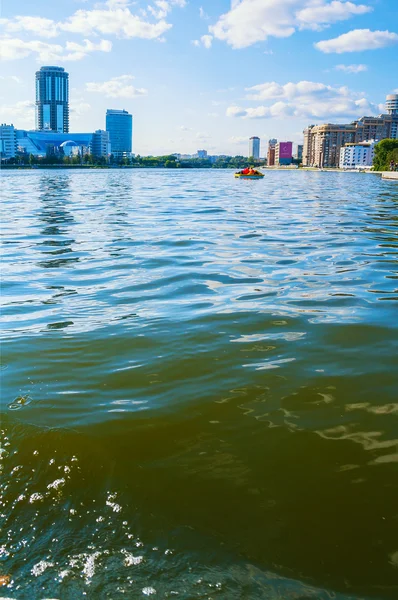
52	99
119	124
254	147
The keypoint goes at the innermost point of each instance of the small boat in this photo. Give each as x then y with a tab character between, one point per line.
256	176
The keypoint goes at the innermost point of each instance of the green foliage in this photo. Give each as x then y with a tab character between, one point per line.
384	154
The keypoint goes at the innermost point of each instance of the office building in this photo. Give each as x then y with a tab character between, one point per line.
52	99
283	153
271	152
392	111
254	147
100	144
119	125
299	155
46	143
8	141
357	156
202	153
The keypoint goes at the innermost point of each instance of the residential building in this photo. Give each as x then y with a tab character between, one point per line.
8	141
322	144
271	152
357	155
100	144
202	153
119	124
254	147
52	99
283	153
373	128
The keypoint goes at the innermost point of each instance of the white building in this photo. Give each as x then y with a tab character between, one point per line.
8	141
101	145
357	156
254	147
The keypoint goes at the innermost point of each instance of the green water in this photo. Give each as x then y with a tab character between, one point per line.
199	385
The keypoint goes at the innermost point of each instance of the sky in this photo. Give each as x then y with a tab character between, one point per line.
203	74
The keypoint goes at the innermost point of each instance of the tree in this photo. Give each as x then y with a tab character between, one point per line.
384	154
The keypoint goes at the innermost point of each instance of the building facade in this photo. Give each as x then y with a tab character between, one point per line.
271	152
357	156
52	99
392	111
322	144
300	152
283	153
202	153
8	141
119	125
100	144
47	143
254	147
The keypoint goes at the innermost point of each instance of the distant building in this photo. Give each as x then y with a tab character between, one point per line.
254	147
271	152
52	99
357	156
8	141
283	153
300	152
46	142
202	153
322	143
101	145
119	125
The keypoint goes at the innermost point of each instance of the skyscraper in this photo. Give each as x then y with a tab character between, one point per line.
119	124
392	111
254	147
52	99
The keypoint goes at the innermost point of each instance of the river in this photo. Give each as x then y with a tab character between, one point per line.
199	385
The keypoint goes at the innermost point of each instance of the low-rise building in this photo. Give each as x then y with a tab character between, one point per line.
47	142
8	141
357	156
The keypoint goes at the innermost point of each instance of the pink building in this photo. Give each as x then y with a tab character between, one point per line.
284	153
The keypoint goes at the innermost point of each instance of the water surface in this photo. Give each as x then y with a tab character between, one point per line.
199	385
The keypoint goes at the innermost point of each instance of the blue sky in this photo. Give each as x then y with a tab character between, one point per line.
203	73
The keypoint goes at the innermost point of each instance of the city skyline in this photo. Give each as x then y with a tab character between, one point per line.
212	76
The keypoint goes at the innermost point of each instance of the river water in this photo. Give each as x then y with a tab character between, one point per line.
199	385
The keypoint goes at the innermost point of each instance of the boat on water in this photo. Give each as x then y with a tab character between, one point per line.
255	176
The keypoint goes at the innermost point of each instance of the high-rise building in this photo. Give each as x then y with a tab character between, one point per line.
300	152
8	141
392	111
100	144
202	153
254	147
271	152
283	153
119	124
322	144
52	99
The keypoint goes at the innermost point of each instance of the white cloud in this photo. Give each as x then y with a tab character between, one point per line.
119	22
112	18
202	136
251	21
305	99
358	40
12	77
14	48
205	40
37	25
317	15
351	68
117	87
203	14
21	114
